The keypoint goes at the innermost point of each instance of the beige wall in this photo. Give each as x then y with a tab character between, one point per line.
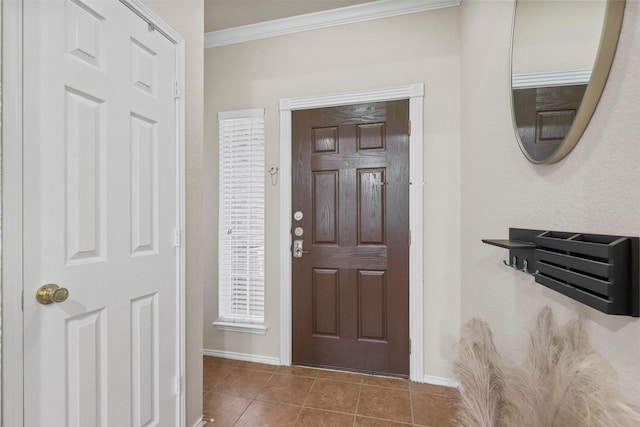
186	17
478	184
1	144
595	189
418	48
556	35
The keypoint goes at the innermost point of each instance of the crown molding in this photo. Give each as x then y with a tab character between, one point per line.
554	78
325	19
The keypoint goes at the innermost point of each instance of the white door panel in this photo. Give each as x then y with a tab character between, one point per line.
100	210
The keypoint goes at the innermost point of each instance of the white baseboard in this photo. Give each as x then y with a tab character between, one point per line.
267	360
446	382
199	423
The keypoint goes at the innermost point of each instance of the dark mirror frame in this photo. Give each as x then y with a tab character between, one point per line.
614	12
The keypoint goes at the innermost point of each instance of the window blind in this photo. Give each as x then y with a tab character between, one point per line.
241	204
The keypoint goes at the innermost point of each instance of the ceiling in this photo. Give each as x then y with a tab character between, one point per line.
222	14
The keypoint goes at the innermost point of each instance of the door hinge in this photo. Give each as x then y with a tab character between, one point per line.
176	90
409	345
178	386
409	128
177	238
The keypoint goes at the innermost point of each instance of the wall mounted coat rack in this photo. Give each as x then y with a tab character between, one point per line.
598	270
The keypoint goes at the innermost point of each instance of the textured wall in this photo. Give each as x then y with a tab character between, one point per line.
403	50
595	189
481	178
186	17
0	223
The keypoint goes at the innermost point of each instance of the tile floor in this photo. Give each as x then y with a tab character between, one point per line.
252	394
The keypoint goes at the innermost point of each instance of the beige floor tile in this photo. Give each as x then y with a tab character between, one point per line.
385	403
220	361
388	382
289	389
213	374
376	422
268	414
433	409
224	410
257	366
347	377
319	418
243	383
333	396
302	371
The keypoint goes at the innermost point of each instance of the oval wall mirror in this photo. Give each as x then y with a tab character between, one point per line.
561	54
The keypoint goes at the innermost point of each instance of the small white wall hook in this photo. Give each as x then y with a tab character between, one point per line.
273	171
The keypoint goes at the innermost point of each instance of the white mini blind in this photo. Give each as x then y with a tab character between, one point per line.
241	236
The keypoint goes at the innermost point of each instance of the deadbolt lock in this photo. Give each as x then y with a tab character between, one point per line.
48	294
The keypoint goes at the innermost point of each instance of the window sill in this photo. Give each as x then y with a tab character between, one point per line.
249	328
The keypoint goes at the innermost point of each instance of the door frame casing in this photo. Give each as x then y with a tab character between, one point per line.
13	403
415	94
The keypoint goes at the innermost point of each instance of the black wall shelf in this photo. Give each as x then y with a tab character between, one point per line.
598	270
510	244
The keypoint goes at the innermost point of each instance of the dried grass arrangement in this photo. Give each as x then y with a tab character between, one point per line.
563	382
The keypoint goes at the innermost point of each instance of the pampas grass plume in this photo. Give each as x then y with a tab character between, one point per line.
479	369
562	383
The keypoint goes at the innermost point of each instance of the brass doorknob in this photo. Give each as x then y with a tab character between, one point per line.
51	293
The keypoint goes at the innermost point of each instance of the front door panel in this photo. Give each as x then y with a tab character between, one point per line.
351	287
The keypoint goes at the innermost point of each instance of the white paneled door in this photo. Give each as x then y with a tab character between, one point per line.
100	217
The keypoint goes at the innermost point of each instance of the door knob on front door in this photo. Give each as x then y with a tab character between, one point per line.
51	293
297	249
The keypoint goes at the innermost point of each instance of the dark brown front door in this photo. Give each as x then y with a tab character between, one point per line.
351	289
544	116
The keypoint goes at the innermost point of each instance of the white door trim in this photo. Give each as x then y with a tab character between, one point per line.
12	363
12	185
415	94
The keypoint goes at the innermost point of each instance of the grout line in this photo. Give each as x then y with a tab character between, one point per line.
308	393
413	420
355	415
245	410
386	420
295	422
